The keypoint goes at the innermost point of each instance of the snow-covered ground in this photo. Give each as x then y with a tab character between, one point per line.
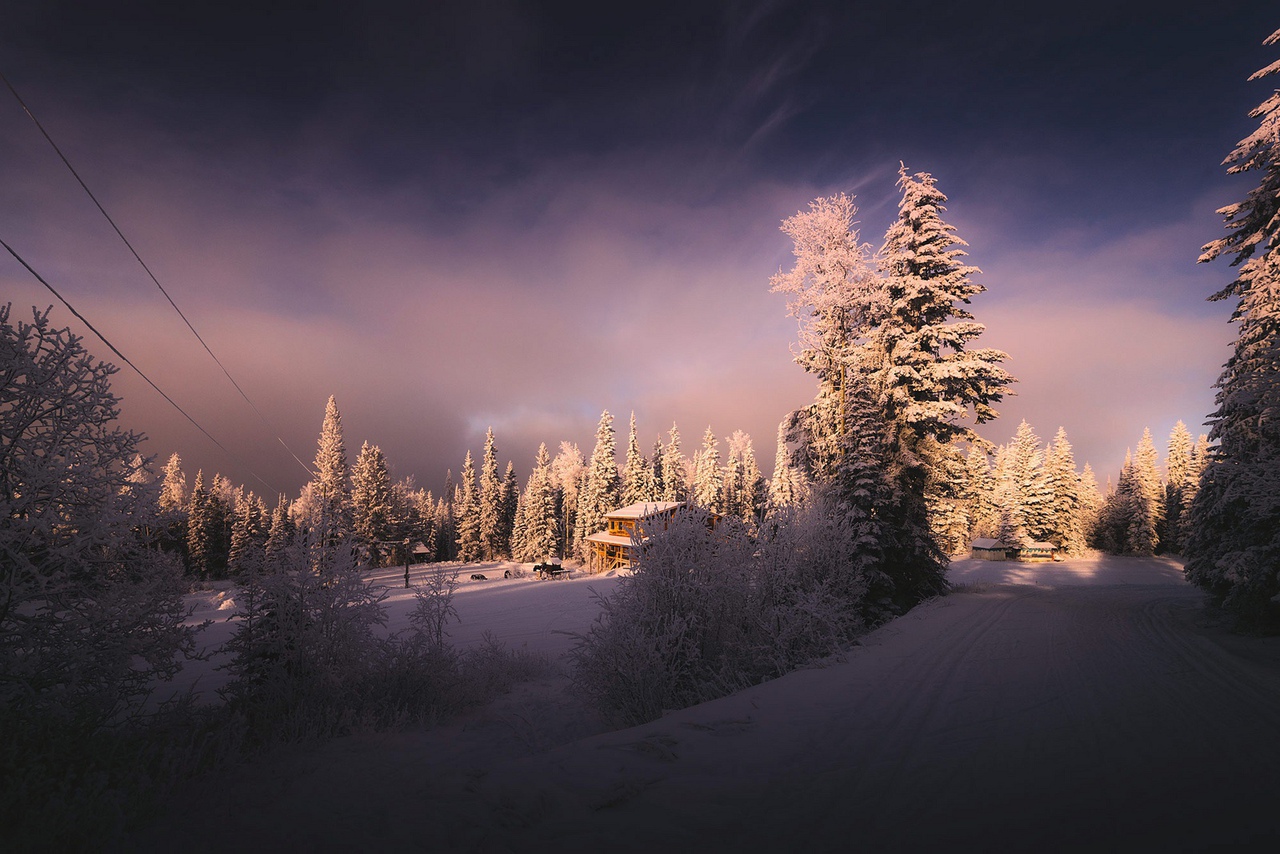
521	612
1088	705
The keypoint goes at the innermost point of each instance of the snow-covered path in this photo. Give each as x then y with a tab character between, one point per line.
1081	709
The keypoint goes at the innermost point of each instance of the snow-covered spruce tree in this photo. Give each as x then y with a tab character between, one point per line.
903	336
173	501
490	501
984	514
927	376
90	619
332	507
1090	505
752	493
1065	525
784	487
1118	508
373	508
1195	471
249	532
466	510
539	517
1234	543
1147	500
201	530
674	487
655	470
510	502
280	534
1177	469
708	480
637	477
946	495
1032	510
600	493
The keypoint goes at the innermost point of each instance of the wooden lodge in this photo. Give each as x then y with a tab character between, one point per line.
988	549
625	531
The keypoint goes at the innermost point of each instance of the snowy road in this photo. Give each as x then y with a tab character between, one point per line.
1082	708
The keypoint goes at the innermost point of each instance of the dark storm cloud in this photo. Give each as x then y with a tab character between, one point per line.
453	215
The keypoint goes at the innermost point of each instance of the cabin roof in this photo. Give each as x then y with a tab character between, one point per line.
642	510
988	543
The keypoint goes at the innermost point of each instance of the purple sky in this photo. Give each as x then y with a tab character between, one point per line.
493	214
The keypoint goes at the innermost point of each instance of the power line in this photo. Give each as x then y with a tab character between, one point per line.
125	359
150	274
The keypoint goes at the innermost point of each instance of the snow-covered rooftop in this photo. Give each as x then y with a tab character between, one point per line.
987	543
643	509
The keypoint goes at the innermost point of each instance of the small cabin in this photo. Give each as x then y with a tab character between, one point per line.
985	548
617	545
1037	553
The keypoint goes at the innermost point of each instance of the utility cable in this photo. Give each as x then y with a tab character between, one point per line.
152	275
125	359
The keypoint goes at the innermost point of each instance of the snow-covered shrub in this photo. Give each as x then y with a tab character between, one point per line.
709	611
306	637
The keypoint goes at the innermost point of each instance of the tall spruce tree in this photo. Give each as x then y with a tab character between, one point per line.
899	341
1146	499
509	504
637	478
599	495
1177	468
173	503
540	526
1090	505
752	492
708	480
984	513
202	534
784	490
490	501
1066	528
373	505
466	510
333	510
673	462
249	531
279	535
1233	547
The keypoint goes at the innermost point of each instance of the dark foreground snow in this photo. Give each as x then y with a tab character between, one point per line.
1085	706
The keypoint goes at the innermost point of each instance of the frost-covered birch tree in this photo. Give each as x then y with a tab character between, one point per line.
90	618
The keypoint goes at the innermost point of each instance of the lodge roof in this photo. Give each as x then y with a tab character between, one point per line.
642	510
